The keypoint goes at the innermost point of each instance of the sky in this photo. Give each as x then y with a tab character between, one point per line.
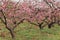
30	0
20	0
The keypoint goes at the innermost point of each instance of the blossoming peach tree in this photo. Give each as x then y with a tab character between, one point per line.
12	14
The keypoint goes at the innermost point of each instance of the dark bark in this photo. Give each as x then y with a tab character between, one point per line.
5	22
58	22
11	32
40	25
16	24
51	24
50	4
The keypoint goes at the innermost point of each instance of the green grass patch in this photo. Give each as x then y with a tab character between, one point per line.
27	31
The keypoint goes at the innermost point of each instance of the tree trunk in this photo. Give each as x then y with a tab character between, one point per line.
11	32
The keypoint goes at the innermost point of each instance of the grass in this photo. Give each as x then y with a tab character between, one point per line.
27	31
